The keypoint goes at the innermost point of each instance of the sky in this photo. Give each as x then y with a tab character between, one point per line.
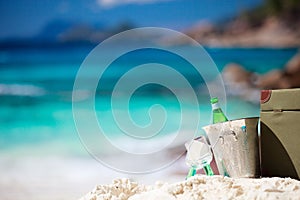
26	18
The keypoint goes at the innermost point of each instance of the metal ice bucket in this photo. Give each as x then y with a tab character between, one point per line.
235	146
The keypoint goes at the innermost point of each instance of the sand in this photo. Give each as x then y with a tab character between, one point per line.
199	187
65	177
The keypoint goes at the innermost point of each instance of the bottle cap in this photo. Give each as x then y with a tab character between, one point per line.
214	100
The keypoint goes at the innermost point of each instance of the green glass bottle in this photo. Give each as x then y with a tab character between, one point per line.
218	115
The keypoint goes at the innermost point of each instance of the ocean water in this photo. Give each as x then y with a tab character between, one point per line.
36	96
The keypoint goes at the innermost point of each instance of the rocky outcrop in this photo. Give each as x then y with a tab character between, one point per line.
247	85
273	32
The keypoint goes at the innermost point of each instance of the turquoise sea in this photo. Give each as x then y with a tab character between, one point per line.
36	95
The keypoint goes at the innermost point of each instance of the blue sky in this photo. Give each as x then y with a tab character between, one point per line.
25	18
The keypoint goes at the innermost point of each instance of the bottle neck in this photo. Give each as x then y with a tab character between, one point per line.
215	106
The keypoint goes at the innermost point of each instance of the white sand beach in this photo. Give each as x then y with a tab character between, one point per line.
200	187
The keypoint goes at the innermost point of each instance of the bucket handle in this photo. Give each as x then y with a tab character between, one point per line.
223	133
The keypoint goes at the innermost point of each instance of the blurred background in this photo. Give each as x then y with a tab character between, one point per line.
254	44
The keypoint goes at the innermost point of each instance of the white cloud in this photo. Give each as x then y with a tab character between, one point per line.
112	3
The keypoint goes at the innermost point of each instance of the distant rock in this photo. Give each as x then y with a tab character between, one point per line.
273	23
90	33
63	32
239	82
54	28
247	85
293	65
272	32
78	32
292	72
